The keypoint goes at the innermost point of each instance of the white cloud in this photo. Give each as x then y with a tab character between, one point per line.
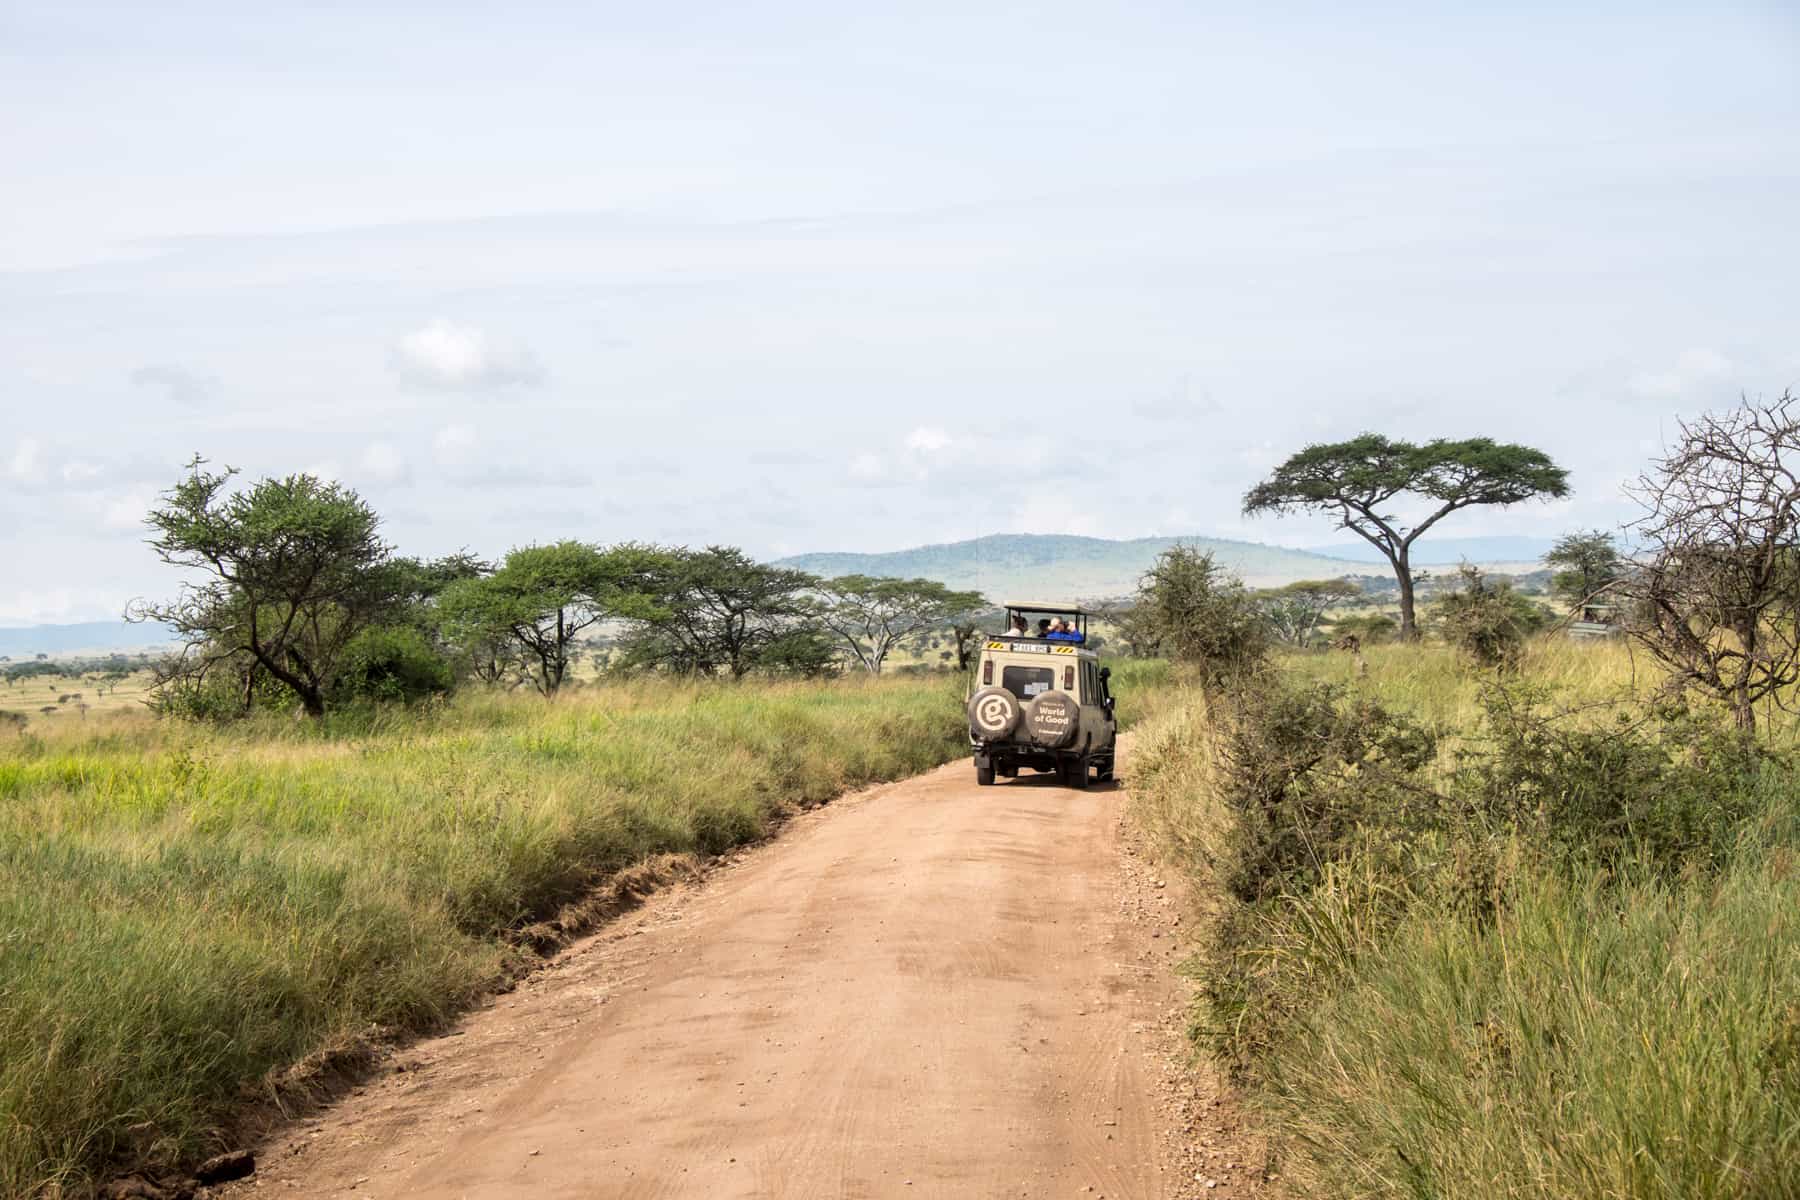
1693	369
454	444
929	441
870	468
382	463
442	356
77	473
923	451
180	386
126	513
27	462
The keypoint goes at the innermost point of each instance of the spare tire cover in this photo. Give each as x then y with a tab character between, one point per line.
993	713
1052	719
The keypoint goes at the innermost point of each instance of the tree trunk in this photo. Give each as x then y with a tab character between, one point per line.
1409	626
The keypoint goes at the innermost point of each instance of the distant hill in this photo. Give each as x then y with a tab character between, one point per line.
1429	551
87	637
1054	566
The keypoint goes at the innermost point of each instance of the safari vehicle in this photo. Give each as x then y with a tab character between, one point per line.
1041	703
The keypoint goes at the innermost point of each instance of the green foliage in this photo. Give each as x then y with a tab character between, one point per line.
1586	563
524	618
719	612
291	570
1358	481
870	616
1295	612
392	663
1307	772
1486	619
1660	786
1189	610
1367	628
802	653
1555	957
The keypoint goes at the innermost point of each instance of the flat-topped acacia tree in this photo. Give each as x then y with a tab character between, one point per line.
1357	481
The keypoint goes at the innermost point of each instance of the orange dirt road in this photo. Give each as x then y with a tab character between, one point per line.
925	989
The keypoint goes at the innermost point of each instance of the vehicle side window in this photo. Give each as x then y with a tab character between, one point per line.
1026	682
1090	684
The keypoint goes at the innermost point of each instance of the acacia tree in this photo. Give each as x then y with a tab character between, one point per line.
1717	590
872	615
290	571
530	612
719	612
1295	612
1586	564
1359	481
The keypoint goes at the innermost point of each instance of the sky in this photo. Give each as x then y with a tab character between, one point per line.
809	276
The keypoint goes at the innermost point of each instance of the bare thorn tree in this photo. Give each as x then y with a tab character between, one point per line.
1716	590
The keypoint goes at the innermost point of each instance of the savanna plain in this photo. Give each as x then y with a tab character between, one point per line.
1457	932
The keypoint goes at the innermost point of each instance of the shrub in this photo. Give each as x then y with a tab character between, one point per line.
1368	628
1487	620
1659	784
1341	818
391	663
1190	610
1307	770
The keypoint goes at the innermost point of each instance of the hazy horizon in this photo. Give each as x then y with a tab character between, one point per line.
802	278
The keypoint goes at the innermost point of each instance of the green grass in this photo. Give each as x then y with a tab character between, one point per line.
185	910
1593	1025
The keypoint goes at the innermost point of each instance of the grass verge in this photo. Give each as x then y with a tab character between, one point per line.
184	911
1539	943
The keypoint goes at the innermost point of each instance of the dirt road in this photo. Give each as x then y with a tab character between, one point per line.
927	989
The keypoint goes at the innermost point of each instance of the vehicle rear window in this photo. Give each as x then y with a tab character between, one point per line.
1026	682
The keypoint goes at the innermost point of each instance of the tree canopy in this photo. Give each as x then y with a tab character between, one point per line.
1360	482
290	571
1295	612
719	612
1586	563
872	615
529	612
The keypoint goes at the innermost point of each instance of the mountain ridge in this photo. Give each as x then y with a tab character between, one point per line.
1067	566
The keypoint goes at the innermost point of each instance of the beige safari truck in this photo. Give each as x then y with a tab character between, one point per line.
1038	699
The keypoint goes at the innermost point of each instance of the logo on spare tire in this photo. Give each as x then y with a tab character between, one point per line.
1051	718
993	712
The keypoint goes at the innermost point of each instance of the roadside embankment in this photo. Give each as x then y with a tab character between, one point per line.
1476	937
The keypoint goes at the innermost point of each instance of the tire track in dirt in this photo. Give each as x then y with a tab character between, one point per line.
925	989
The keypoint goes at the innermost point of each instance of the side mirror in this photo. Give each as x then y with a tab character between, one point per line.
1106	672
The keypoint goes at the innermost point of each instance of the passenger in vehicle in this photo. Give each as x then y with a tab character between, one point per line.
1018	628
1060	631
1044	627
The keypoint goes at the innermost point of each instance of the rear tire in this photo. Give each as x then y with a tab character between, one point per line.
984	776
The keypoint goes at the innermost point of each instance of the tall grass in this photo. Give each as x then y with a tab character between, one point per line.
1503	1000
184	910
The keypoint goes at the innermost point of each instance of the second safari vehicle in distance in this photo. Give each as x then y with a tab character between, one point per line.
1039	699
